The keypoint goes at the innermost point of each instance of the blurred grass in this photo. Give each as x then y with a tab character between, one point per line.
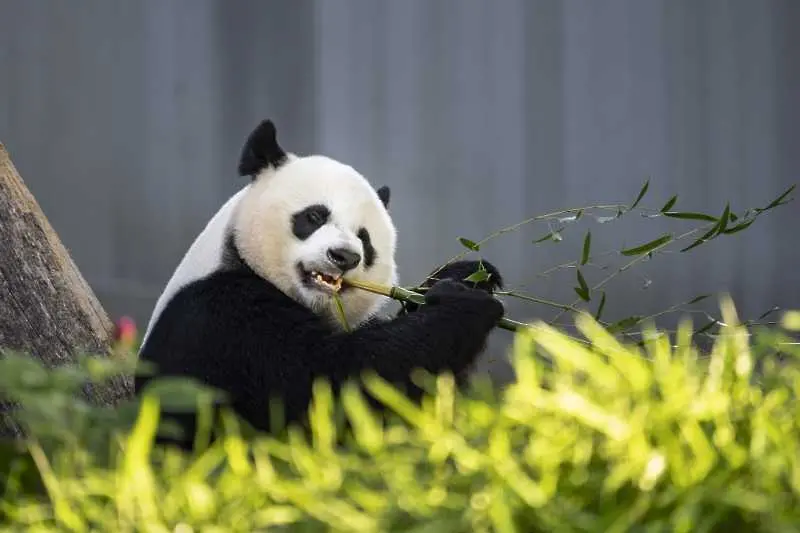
603	437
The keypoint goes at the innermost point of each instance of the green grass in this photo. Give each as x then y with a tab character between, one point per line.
593	436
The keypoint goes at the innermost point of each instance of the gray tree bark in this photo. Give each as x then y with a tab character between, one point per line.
47	309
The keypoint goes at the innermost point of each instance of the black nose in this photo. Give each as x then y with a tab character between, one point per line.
344	258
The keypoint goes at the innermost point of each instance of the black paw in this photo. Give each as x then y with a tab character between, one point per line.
482	275
456	294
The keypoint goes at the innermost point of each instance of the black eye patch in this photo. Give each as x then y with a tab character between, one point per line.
309	220
369	251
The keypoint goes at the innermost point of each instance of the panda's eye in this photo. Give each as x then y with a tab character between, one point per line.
316	217
306	221
369	250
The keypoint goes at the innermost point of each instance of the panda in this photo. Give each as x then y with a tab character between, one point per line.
250	310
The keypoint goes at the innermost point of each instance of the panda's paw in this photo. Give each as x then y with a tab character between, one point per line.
484	275
464	298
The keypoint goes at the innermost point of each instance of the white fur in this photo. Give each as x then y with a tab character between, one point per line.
263	226
203	258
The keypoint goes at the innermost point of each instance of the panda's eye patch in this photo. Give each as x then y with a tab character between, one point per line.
309	220
369	250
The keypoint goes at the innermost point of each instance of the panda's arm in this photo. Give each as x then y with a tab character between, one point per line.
446	334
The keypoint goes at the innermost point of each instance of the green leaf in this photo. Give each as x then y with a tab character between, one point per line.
779	200
723	220
669	204
705	238
600	307
552	236
649	246
582	281
579	214
472	245
690	216
739	227
478	276
625	323
697	299
642	192
583	288
587	244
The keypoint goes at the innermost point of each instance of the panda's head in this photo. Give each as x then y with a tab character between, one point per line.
304	223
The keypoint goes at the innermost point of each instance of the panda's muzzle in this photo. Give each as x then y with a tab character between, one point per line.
343	258
320	280
329	277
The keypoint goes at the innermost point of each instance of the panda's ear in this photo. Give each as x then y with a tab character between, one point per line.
384	193
261	150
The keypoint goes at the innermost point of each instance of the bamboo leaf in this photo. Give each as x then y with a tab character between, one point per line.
600	307
669	204
583	288
723	220
689	216
554	236
642	192
478	276
625	323
583	294
779	200
739	227
648	246
708	235
582	281
472	245
697	299
587	244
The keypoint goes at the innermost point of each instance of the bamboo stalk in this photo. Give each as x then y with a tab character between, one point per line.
405	295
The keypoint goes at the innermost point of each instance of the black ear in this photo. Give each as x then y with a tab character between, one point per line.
384	193
261	150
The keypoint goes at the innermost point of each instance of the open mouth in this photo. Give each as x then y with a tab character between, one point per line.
321	280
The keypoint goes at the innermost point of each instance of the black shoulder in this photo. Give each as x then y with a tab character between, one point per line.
223	304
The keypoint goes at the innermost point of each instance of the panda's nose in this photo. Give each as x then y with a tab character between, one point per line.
344	258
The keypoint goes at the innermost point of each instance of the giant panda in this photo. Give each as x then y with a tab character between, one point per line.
250	310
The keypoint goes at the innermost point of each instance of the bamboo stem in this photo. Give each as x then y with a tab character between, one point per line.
405	295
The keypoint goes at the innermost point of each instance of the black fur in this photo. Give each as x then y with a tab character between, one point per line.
460	270
384	193
261	150
231	259
309	220
237	332
369	250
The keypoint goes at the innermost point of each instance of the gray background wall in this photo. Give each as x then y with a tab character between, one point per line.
125	119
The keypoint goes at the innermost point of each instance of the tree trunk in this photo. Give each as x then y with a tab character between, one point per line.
47	309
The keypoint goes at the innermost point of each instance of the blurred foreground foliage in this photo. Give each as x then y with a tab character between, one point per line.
593	436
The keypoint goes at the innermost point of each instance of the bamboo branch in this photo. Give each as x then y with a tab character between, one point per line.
405	295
